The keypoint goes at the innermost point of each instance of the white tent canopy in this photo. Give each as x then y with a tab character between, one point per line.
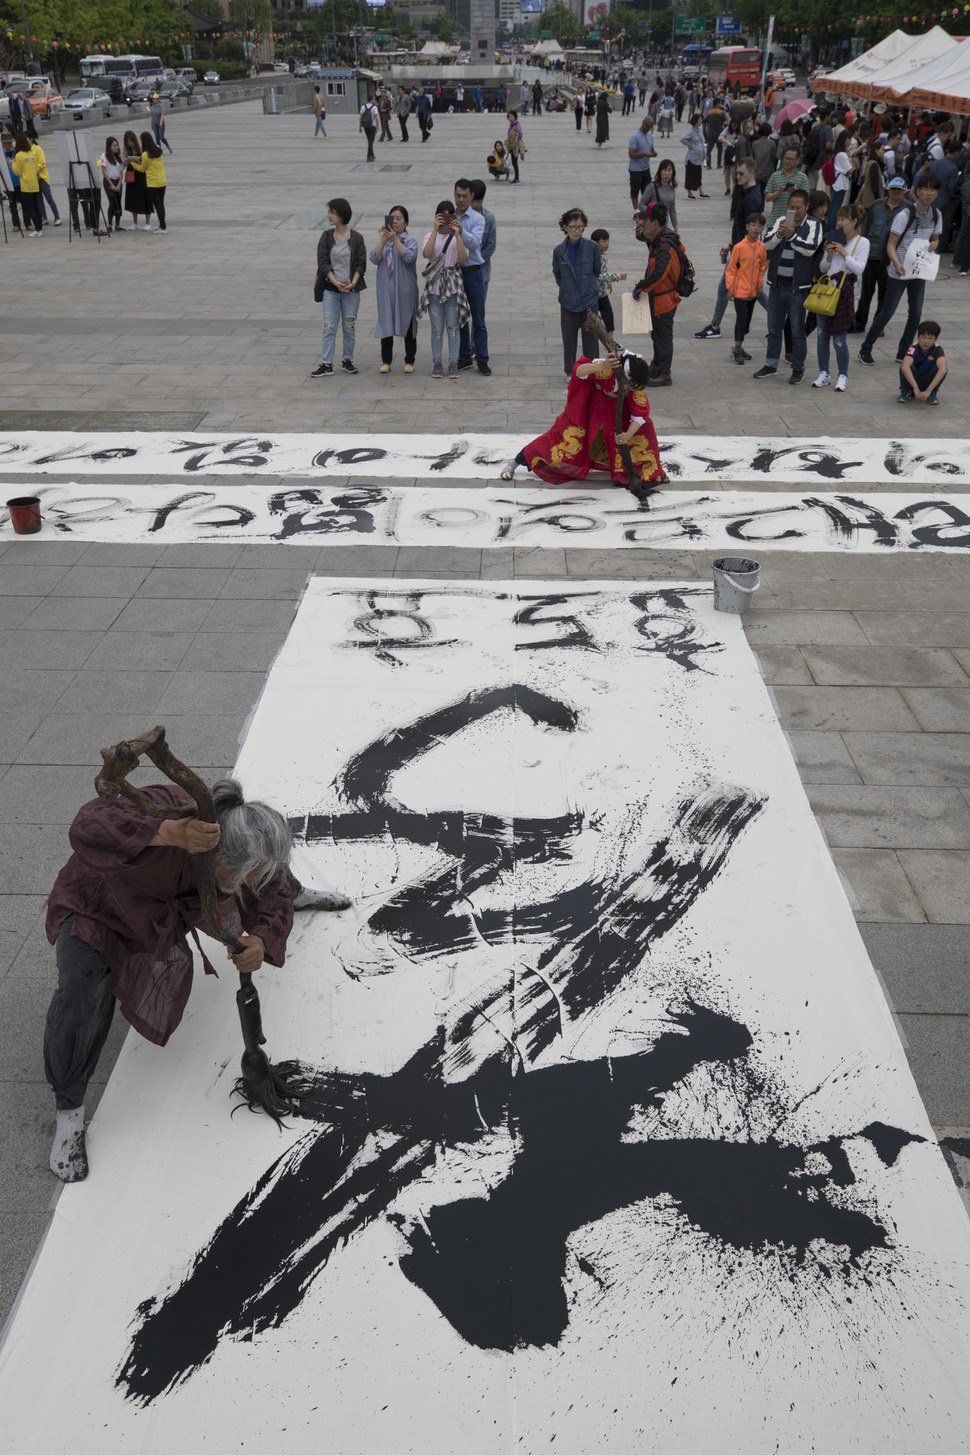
874	74
895	78
862	66
944	83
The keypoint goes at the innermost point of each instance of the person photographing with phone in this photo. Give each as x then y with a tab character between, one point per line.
782	184
444	295
791	244
396	260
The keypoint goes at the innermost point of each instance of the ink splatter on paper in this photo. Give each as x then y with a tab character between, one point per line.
611	1144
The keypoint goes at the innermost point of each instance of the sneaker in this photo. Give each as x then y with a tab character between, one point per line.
436	372
905	396
841	383
745	355
765	372
823	381
321	370
409	368
147	227
934	398
711	331
385	369
865	357
963	273
465	363
483	369
900	358
738	356
452	372
508	470
797	375
57	222
349	367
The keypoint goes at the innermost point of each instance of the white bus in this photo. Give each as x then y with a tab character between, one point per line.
95	69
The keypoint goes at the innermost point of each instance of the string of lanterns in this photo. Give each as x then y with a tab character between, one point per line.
124	47
928	17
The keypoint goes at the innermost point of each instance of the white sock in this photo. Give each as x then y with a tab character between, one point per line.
69	1157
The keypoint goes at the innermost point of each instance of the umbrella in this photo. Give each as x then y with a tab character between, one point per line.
793	111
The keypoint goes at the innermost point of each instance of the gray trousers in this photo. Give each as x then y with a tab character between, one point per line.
78	1020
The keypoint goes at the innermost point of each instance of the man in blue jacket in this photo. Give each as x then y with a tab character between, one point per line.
792	243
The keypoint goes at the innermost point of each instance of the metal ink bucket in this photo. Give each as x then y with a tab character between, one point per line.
736	579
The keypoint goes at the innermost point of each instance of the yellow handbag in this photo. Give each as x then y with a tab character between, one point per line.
823	296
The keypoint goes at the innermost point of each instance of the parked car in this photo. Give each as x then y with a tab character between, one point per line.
783	78
44	100
281	67
168	91
188	77
84	100
211	78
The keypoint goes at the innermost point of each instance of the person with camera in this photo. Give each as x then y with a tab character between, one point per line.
396	260
792	244
444	298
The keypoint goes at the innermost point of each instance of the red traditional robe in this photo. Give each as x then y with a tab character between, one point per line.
583	438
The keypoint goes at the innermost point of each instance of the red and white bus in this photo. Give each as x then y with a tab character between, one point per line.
734	65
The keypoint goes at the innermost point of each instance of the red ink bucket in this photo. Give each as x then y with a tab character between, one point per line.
25	514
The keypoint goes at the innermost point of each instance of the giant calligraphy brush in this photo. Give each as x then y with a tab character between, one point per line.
276	1090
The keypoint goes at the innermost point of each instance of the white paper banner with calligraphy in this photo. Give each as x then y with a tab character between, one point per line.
493	516
611	1143
688	459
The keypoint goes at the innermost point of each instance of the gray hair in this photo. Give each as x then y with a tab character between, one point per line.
255	840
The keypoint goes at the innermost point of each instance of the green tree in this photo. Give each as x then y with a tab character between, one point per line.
562	22
445	26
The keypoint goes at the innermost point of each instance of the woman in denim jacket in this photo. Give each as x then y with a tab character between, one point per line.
576	265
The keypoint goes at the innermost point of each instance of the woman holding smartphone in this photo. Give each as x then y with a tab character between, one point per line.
444	295
396	260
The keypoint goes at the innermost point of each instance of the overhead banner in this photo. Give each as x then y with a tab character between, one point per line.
489	517
826	461
612	1144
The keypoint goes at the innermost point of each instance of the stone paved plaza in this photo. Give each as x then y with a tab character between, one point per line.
212	327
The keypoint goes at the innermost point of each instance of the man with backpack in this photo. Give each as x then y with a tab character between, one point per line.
878	221
368	123
918	221
818	145
668	278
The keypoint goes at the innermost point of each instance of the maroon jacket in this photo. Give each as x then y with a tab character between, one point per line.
136	906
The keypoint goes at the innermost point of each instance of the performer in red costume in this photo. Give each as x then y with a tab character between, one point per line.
585	437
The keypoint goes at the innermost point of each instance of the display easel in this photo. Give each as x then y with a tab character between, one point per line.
83	184
6	192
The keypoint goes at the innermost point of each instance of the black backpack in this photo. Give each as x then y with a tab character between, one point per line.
688	278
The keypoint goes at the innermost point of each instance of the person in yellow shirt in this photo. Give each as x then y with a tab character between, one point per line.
44	178
154	168
25	166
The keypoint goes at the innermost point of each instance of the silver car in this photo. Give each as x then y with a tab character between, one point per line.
85	99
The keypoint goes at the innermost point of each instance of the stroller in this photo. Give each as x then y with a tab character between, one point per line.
498	161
